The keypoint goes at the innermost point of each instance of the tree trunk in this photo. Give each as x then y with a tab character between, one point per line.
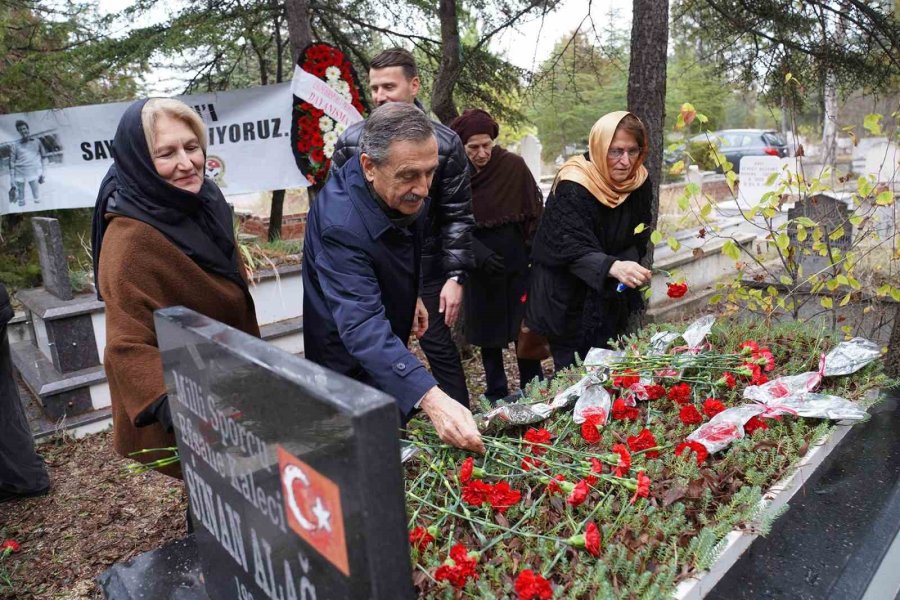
448	72
830	94
275	215
300	35
647	94
829	125
299	29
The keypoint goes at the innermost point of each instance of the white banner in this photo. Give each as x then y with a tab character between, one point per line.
318	93
54	159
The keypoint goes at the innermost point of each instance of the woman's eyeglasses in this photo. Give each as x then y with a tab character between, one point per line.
617	153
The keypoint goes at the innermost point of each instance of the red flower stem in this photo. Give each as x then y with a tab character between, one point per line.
434	482
660	448
528	514
485	523
590	517
457	498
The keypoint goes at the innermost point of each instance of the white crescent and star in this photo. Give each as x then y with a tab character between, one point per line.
321	514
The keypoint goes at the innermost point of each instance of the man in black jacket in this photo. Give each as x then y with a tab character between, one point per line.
447	249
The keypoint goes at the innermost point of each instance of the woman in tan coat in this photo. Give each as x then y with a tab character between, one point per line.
162	236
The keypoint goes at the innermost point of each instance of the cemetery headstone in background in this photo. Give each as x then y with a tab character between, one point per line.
60	362
755	174
54	268
530	151
883	161
830	214
292	472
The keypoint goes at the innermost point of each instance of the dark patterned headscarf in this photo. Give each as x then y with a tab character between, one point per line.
200	224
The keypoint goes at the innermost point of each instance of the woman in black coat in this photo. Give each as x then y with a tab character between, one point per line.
506	202
586	245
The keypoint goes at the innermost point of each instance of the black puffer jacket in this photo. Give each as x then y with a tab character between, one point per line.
447	248
6	311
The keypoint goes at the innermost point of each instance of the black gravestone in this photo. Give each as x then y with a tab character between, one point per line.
54	267
292	471
831	214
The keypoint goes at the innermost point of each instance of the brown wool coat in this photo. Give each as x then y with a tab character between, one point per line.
142	271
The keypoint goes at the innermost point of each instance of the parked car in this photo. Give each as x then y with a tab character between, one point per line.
735	144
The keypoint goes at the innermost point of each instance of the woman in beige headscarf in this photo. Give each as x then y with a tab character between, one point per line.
586	245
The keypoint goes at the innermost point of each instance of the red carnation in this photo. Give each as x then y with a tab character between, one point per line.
502	497
531	586
699	450
476	492
727	380
712	407
553	487
689	415
643	441
317	155
748	347
753	424
643	487
459	569
655	391
596	466
579	493
592	539
680	393
538	436
420	538
626	380
465	471
757	377
624	460
676	290
9	547
530	462
621	411
765	356
590	429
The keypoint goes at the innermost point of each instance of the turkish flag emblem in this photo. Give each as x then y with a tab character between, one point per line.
312	504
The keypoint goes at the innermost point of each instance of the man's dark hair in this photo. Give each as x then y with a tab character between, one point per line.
21	122
396	57
393	122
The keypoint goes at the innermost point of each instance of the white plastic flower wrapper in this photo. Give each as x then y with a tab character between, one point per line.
783	387
600	362
661	341
693	336
595	399
850	356
697	331
719	432
788	385
817	406
569	395
510	415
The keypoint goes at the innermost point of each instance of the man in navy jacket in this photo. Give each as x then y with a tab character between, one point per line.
447	246
361	262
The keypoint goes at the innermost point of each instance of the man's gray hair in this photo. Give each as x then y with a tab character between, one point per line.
393	122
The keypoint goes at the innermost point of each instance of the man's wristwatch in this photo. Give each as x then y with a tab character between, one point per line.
460	279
